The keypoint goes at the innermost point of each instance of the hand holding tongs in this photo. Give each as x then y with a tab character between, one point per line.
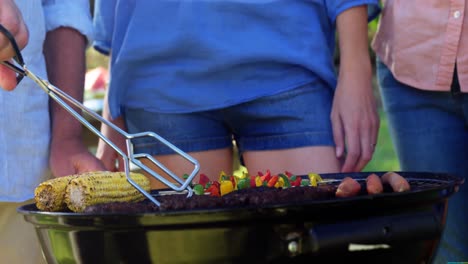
59	96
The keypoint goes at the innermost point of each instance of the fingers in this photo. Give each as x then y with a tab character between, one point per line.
108	160
88	163
109	157
361	137
338	135
120	166
12	20
366	146
7	78
354	149
75	163
375	126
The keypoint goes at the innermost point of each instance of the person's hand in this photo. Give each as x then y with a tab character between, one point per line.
12	20
109	157
70	156
355	120
354	112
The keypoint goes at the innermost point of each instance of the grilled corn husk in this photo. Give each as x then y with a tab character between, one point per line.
76	192
106	187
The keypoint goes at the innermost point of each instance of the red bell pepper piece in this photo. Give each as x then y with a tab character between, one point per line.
203	180
266	177
216	183
289	174
296	182
272	181
213	190
252	182
234	183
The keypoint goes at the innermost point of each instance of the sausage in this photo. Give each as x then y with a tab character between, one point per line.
348	187
373	184
396	181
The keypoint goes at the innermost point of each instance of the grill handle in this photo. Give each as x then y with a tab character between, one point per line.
381	230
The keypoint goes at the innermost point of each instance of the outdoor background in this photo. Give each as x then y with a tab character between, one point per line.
384	157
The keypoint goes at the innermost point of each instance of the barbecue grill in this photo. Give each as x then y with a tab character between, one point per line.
384	228
388	227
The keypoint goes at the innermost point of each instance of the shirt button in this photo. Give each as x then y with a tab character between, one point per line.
456	14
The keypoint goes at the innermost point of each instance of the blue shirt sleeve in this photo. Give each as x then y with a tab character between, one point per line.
104	15
336	7
69	13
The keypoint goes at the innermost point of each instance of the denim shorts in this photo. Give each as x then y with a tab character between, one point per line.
430	133
292	119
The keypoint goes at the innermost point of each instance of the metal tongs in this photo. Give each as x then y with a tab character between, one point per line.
60	97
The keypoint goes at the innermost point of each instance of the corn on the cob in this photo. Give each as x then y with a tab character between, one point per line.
103	188
50	195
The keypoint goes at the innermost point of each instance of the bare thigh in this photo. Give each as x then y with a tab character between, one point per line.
212	162
318	159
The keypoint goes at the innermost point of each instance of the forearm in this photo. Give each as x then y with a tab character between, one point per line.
353	42
354	117
64	51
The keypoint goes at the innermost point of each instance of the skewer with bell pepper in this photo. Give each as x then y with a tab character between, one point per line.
228	184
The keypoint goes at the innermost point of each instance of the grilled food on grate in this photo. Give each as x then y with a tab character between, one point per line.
50	195
111	192
76	192
245	198
263	195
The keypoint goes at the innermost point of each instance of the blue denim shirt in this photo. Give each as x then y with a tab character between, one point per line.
24	112
183	56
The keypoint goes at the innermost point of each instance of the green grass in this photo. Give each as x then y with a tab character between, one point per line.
95	59
384	158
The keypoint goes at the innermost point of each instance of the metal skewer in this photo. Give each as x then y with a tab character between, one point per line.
130	157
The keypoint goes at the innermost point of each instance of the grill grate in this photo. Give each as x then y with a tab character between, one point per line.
420	184
419	181
416	184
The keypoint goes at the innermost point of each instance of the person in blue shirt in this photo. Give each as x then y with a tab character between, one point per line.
204	73
36	141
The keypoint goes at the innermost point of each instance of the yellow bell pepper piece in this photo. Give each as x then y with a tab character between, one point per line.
241	175
279	183
226	187
258	181
314	179
223	176
244	175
